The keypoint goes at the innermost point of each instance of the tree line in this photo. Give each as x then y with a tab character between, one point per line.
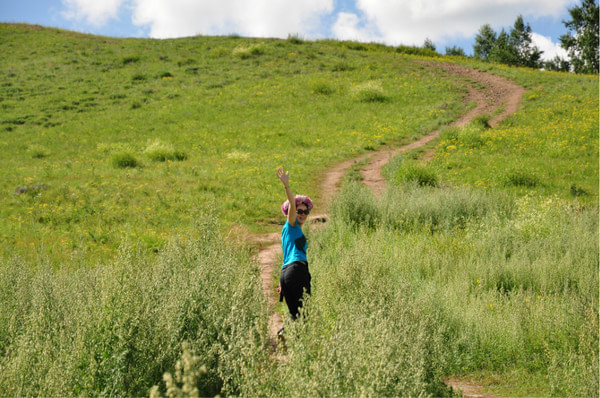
516	47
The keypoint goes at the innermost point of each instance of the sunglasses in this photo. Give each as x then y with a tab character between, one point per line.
300	211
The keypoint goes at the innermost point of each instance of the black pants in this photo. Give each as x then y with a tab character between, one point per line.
294	281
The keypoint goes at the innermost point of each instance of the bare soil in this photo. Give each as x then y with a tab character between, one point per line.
491	95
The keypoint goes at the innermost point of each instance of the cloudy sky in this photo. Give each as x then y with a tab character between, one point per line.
446	22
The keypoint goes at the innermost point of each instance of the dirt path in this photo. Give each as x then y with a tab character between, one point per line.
496	93
492	93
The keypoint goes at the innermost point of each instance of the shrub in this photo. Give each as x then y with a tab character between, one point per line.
322	87
138	77
410	50
218	52
132	59
401	170
521	178
421	174
295	39
159	151
342	66
186	61
469	136
482	121
355	206
371	91
357	46
38	151
123	160
244	52
188	372
410	206
576	190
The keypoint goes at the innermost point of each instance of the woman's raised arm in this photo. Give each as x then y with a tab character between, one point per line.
284	176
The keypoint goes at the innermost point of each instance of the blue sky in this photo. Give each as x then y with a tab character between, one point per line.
410	22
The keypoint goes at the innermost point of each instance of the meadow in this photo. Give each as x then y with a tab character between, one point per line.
105	140
133	169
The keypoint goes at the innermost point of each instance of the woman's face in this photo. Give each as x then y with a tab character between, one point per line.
301	213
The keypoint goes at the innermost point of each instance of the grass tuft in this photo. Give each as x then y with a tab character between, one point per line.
132	59
521	178
322	87
159	151
402	170
38	151
295	39
124	160
371	91
245	52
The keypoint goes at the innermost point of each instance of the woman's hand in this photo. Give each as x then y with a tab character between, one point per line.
284	176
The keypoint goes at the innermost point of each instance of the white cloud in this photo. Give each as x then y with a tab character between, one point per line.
411	22
549	48
94	12
392	22
347	27
258	18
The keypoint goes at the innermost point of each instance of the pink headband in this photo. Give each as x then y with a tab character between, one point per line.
298	199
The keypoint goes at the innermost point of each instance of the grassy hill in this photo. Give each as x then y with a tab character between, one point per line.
124	163
125	138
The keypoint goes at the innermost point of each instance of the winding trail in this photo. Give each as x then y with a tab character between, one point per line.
491	94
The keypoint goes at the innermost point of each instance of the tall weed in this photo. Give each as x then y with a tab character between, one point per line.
114	329
511	283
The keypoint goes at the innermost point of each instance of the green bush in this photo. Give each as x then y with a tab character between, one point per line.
521	178
421	174
357	46
159	151
245	52
410	50
138	77
401	170
342	66
322	87
123	160
355	205
132	59
218	52
295	39
38	151
371	91
469	136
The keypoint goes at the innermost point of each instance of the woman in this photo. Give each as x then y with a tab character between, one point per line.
295	278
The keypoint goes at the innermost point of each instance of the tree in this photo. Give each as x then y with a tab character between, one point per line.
455	51
484	42
524	51
582	45
429	44
503	52
557	64
513	48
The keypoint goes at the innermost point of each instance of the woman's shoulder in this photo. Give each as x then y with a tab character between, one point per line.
287	226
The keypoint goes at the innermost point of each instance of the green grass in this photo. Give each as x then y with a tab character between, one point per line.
506	286
113	329
549	147
227	110
123	162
